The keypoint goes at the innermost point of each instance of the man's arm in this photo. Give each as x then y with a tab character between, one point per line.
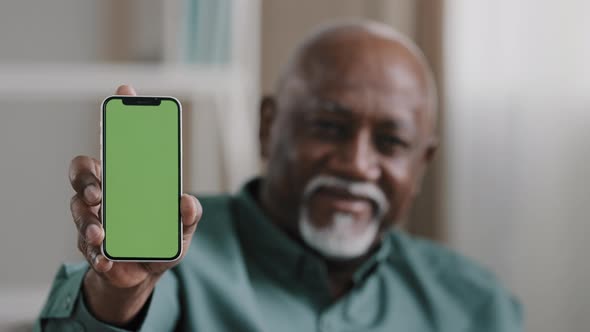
113	292
66	309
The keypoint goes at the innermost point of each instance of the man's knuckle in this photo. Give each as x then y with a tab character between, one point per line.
83	220
79	218
91	254
79	159
82	245
74	203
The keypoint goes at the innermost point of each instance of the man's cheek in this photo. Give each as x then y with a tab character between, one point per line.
389	217
396	199
399	172
305	162
402	205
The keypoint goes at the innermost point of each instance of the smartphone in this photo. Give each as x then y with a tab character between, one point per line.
141	156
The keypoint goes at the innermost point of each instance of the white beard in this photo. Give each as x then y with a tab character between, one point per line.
341	239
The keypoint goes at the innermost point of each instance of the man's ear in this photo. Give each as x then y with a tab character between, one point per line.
428	155
431	149
268	110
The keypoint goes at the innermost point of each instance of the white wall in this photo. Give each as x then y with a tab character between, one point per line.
60	30
285	23
517	118
37	140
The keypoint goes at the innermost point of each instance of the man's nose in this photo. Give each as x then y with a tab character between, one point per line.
357	159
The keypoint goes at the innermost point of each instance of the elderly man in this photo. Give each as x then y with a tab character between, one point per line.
312	245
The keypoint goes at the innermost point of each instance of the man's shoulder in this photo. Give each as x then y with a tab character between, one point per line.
444	263
452	277
218	215
216	230
215	204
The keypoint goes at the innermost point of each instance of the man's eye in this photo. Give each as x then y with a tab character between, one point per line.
389	143
328	127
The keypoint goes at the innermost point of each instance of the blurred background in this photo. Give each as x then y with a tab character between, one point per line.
509	187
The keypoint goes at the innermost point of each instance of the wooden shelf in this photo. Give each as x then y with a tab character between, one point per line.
83	81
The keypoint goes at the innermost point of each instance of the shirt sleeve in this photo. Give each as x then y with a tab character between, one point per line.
501	313
65	309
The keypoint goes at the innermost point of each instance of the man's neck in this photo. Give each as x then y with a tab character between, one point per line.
340	275
340	272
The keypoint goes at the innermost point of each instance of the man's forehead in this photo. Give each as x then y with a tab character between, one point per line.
357	100
383	75
389	115
360	70
359	55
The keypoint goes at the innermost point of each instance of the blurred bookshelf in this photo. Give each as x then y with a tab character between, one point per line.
59	61
49	81
197	50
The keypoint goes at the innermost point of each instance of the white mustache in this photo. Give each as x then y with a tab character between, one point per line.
362	189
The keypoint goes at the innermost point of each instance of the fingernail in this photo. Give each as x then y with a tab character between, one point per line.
91	193
96	259
101	263
92	233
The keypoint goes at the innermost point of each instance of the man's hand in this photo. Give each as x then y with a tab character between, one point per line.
116	291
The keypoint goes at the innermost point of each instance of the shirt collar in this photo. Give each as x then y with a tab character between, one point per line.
278	253
268	244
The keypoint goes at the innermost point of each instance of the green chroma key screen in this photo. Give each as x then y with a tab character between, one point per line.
141	178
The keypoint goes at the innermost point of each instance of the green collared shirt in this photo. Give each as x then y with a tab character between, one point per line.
243	274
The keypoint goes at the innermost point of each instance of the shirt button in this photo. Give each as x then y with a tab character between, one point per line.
68	302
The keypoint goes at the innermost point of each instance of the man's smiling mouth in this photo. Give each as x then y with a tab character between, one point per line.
343	201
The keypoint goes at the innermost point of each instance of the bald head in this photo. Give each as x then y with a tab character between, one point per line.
355	104
362	54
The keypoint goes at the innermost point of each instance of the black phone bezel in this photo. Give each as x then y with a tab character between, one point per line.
143	101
